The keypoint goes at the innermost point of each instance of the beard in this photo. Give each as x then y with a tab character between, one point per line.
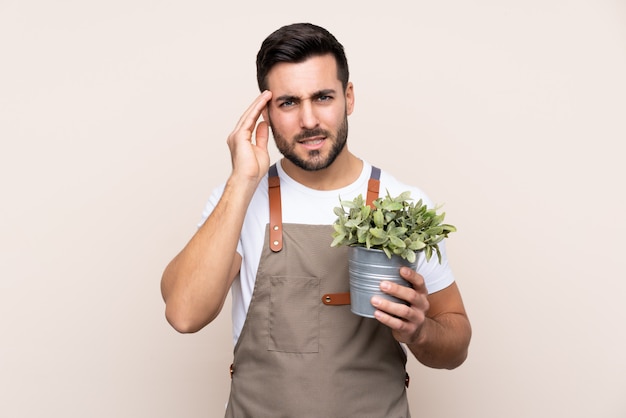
314	160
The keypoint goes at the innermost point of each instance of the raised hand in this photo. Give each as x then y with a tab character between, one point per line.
248	142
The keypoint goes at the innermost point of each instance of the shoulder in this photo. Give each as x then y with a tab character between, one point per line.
390	184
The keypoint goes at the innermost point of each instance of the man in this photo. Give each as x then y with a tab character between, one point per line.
294	355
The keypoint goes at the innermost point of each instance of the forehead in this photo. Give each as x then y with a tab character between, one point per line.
314	74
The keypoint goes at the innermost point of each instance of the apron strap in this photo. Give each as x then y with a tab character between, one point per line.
336	299
373	186
276	215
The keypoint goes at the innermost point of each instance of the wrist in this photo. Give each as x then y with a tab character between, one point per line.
243	183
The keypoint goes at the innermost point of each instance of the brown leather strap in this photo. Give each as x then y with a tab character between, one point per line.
336	298
276	216
373	186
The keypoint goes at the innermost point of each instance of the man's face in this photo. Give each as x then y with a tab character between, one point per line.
309	111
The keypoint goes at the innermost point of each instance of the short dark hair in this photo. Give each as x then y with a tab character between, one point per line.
296	43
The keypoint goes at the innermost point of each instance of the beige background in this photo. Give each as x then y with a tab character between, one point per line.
113	119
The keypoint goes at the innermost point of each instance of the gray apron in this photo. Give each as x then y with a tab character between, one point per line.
302	352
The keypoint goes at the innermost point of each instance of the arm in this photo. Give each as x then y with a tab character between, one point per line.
435	327
196	282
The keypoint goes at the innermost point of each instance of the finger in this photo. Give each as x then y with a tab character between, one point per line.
413	277
262	135
403	292
398	316
392	321
391	309
415	296
250	117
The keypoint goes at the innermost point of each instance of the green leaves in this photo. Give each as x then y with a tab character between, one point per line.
395	225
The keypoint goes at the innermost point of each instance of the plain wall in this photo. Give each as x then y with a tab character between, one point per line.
113	122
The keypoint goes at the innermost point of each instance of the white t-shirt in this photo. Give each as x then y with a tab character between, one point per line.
302	205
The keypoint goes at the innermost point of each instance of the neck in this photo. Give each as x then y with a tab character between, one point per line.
343	171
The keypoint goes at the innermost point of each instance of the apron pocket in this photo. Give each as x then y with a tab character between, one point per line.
294	314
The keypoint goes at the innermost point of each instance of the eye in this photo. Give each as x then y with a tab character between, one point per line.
287	103
324	98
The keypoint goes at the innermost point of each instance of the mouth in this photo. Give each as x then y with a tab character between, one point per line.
312	143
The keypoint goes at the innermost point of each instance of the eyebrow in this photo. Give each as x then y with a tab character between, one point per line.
317	94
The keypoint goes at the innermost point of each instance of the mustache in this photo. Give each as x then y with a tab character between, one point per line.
308	133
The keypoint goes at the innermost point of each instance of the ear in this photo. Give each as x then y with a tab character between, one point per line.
349	98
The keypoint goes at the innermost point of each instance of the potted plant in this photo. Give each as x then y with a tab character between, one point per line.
381	238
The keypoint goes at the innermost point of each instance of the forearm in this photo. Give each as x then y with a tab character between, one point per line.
443	341
196	282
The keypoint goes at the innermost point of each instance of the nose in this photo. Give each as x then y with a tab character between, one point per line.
308	118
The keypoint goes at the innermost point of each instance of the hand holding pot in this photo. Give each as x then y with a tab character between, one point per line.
406	321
